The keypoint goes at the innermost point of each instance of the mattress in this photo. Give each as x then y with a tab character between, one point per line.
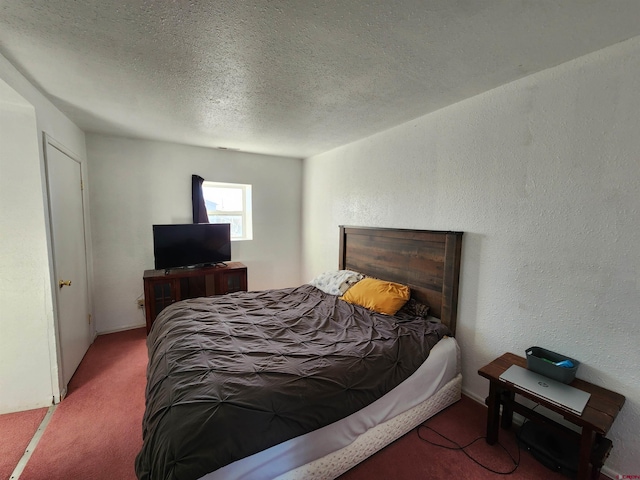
331	450
232	376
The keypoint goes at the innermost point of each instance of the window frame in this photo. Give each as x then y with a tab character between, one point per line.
245	213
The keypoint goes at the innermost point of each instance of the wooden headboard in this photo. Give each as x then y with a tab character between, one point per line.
427	261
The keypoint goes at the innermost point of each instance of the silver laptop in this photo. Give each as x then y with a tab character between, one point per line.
551	390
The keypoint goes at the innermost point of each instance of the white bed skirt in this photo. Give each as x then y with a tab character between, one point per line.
336	463
332	450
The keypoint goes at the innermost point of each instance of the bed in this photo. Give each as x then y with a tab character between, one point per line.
297	383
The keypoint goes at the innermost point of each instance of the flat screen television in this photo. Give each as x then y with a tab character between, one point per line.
187	245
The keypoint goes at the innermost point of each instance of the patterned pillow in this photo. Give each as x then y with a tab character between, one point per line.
336	282
415	309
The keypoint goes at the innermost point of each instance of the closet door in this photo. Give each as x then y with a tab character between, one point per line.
64	177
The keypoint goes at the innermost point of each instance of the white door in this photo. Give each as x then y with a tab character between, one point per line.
69	256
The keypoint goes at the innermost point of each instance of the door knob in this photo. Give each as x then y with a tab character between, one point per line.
64	283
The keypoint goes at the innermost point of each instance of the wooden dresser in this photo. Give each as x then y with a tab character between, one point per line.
164	287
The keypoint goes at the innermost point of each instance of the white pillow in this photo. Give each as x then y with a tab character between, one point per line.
336	282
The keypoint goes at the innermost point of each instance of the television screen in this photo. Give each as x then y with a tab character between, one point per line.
191	244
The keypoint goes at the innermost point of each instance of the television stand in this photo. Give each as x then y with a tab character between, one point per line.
193	267
215	265
164	287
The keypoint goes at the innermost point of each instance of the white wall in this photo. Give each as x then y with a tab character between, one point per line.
135	184
24	342
543	176
29	374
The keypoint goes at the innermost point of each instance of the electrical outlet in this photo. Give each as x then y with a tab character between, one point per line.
140	303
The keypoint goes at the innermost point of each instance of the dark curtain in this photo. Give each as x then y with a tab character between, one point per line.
199	208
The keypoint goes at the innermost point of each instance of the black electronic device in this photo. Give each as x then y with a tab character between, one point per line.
559	452
187	245
550	448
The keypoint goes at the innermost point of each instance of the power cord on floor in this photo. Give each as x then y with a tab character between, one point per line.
463	447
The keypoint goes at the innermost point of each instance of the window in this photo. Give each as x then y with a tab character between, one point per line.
230	203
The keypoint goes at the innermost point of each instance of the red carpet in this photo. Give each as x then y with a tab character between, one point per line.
16	431
95	432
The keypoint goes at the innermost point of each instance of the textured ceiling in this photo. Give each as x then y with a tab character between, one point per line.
292	78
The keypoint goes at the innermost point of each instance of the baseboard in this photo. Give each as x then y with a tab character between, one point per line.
473	396
59	398
122	329
607	472
26	407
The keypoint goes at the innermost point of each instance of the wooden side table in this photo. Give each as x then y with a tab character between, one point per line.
596	419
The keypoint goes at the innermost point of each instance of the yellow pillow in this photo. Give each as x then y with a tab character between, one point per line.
378	295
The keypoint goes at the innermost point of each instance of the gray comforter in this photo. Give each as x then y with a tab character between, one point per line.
230	376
